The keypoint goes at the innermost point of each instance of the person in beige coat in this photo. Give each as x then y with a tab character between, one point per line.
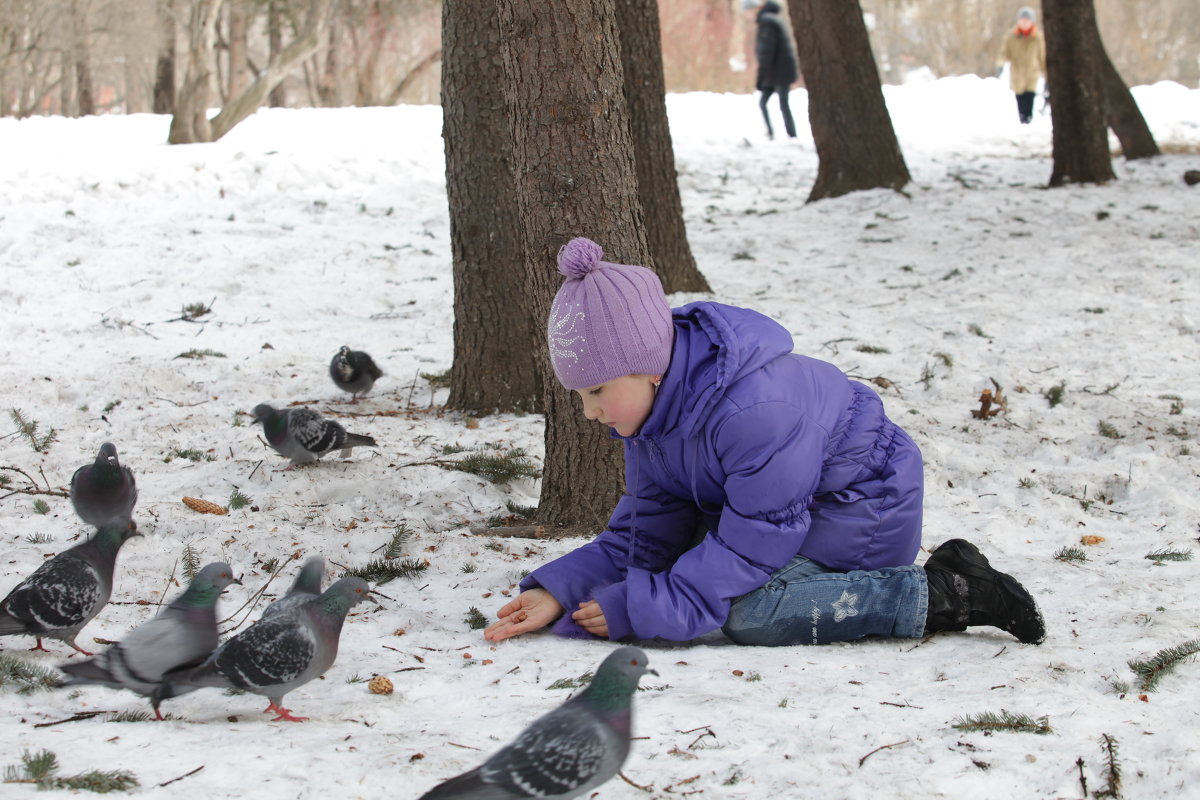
1025	51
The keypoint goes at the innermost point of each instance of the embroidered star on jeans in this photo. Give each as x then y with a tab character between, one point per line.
844	606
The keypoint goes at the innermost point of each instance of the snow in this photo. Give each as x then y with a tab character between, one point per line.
307	229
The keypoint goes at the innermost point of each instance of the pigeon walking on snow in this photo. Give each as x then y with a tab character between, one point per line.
183	634
278	653
568	752
354	371
303	435
305	587
104	492
64	593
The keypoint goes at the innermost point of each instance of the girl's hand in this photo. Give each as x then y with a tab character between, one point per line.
590	617
528	611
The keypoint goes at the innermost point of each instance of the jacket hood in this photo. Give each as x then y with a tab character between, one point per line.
715	346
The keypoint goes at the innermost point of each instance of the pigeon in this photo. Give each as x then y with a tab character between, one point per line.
303	435
104	492
64	593
568	752
278	653
183	634
306	586
354	371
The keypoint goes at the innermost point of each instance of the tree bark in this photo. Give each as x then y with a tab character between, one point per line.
575	176
658	185
1123	114
494	367
1075	78
85	102
164	68
856	144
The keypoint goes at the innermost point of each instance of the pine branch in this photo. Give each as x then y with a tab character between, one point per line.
1004	721
1152	669
1165	554
475	619
1112	768
26	676
382	570
191	562
400	538
40	767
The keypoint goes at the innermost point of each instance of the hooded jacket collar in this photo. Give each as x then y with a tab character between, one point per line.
715	345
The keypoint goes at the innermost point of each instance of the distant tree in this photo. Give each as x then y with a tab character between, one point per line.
495	366
658	185
190	122
856	144
81	56
1075	78
575	176
237	63
277	97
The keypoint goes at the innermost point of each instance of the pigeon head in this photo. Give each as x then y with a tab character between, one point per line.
344	594
263	412
108	455
208	584
617	679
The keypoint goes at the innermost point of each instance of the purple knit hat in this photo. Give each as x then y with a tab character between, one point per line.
607	320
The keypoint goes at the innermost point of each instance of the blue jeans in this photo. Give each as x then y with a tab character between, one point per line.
807	603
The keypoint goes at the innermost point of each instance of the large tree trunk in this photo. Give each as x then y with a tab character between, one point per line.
856	144
495	362
1123	114
658	186
164	68
575	176
1075	78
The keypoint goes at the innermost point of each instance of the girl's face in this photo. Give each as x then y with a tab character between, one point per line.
1024	24
623	403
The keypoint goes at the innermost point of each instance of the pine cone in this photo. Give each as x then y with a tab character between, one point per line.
204	506
380	685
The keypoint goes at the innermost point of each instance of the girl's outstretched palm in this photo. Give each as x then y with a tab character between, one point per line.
528	611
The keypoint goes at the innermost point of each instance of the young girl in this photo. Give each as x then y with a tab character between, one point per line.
767	494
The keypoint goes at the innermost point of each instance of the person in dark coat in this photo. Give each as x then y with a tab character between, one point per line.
777	69
768	495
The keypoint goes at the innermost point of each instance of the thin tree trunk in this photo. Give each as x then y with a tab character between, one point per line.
278	95
239	25
164	68
856	144
189	124
1074	74
658	187
85	101
575	176
495	359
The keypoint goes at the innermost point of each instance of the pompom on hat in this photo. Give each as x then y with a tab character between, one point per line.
607	320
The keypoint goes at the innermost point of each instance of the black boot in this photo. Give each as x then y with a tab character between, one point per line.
965	590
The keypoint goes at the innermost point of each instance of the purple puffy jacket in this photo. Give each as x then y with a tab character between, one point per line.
773	454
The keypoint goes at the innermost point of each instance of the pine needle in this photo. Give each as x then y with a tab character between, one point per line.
1165	554
29	429
496	467
238	500
475	619
1151	670
25	676
572	683
1004	721
1071	554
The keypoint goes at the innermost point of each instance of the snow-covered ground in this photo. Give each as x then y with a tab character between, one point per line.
307	229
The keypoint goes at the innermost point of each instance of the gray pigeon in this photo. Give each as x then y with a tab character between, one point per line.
64	593
354	371
278	653
306	586
303	435
568	752
104	492
183	634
